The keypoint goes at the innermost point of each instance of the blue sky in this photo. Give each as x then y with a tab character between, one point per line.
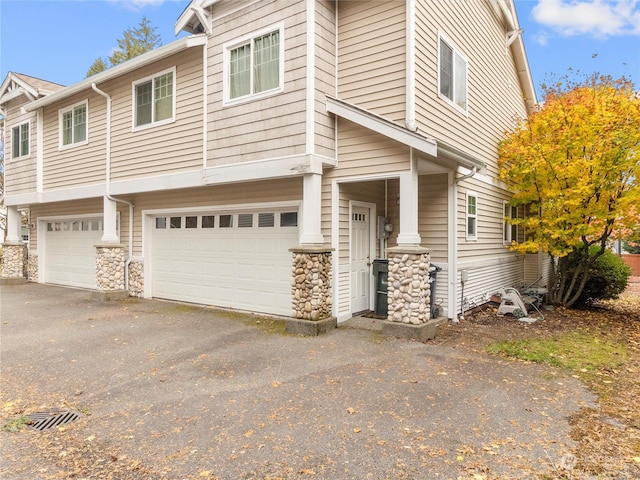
58	40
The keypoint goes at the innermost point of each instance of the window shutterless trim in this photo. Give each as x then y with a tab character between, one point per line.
455	52
471	216
71	108
134	104
249	40
19	127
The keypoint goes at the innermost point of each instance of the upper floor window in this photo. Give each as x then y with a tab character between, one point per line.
254	65
20	141
73	125
472	216
154	99
452	76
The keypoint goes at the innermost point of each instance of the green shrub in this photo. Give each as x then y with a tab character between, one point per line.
607	278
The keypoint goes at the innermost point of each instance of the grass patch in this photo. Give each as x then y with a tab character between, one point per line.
579	351
17	424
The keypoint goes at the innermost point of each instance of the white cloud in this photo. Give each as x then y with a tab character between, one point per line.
595	18
136	4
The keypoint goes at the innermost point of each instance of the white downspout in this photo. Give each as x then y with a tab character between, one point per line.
410	74
108	183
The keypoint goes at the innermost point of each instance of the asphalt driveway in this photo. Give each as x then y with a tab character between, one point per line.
179	392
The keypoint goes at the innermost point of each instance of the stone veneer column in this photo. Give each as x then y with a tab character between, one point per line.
311	283
14	260
408	285
32	267
136	279
110	267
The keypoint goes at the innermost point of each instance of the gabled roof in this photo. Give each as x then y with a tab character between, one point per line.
17	84
114	72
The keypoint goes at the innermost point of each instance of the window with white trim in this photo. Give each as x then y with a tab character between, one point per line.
154	99
472	216
512	233
452	74
74	125
254	65
20	140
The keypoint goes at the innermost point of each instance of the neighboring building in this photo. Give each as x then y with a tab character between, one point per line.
343	130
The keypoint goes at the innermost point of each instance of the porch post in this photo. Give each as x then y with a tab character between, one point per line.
110	233
14	223
409	209
311	210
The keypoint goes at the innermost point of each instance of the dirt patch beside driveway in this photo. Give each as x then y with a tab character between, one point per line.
180	392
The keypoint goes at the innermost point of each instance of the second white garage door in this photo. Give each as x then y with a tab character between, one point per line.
70	252
233	260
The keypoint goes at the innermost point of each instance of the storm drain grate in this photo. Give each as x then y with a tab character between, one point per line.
51	419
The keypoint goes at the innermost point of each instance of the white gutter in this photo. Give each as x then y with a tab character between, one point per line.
108	182
126	67
411	67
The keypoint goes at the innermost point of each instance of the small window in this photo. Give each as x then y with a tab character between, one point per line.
245	220
472	216
289	219
75	226
226	221
266	220
86	226
191	222
73	125
154	100
49	227
20	141
453	75
254	65
161	222
208	221
175	222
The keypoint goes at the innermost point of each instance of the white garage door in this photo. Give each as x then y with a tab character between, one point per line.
234	260
70	254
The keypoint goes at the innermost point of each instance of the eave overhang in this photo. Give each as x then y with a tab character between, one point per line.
426	145
126	67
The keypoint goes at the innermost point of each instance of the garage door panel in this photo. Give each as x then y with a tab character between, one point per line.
246	268
70	256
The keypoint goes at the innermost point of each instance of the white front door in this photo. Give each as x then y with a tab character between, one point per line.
360	259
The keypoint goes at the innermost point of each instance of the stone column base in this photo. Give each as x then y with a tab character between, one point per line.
408	285
110	267
311	283
14	260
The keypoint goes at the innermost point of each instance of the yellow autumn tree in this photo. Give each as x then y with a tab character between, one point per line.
574	165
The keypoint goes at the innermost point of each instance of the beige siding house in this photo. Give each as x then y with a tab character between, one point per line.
279	156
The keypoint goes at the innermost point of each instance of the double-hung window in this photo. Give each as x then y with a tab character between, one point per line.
73	125
20	140
472	216
452	75
512	233
254	65
154	100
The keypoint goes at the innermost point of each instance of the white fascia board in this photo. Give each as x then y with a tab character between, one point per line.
126	67
294	166
264	169
381	125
